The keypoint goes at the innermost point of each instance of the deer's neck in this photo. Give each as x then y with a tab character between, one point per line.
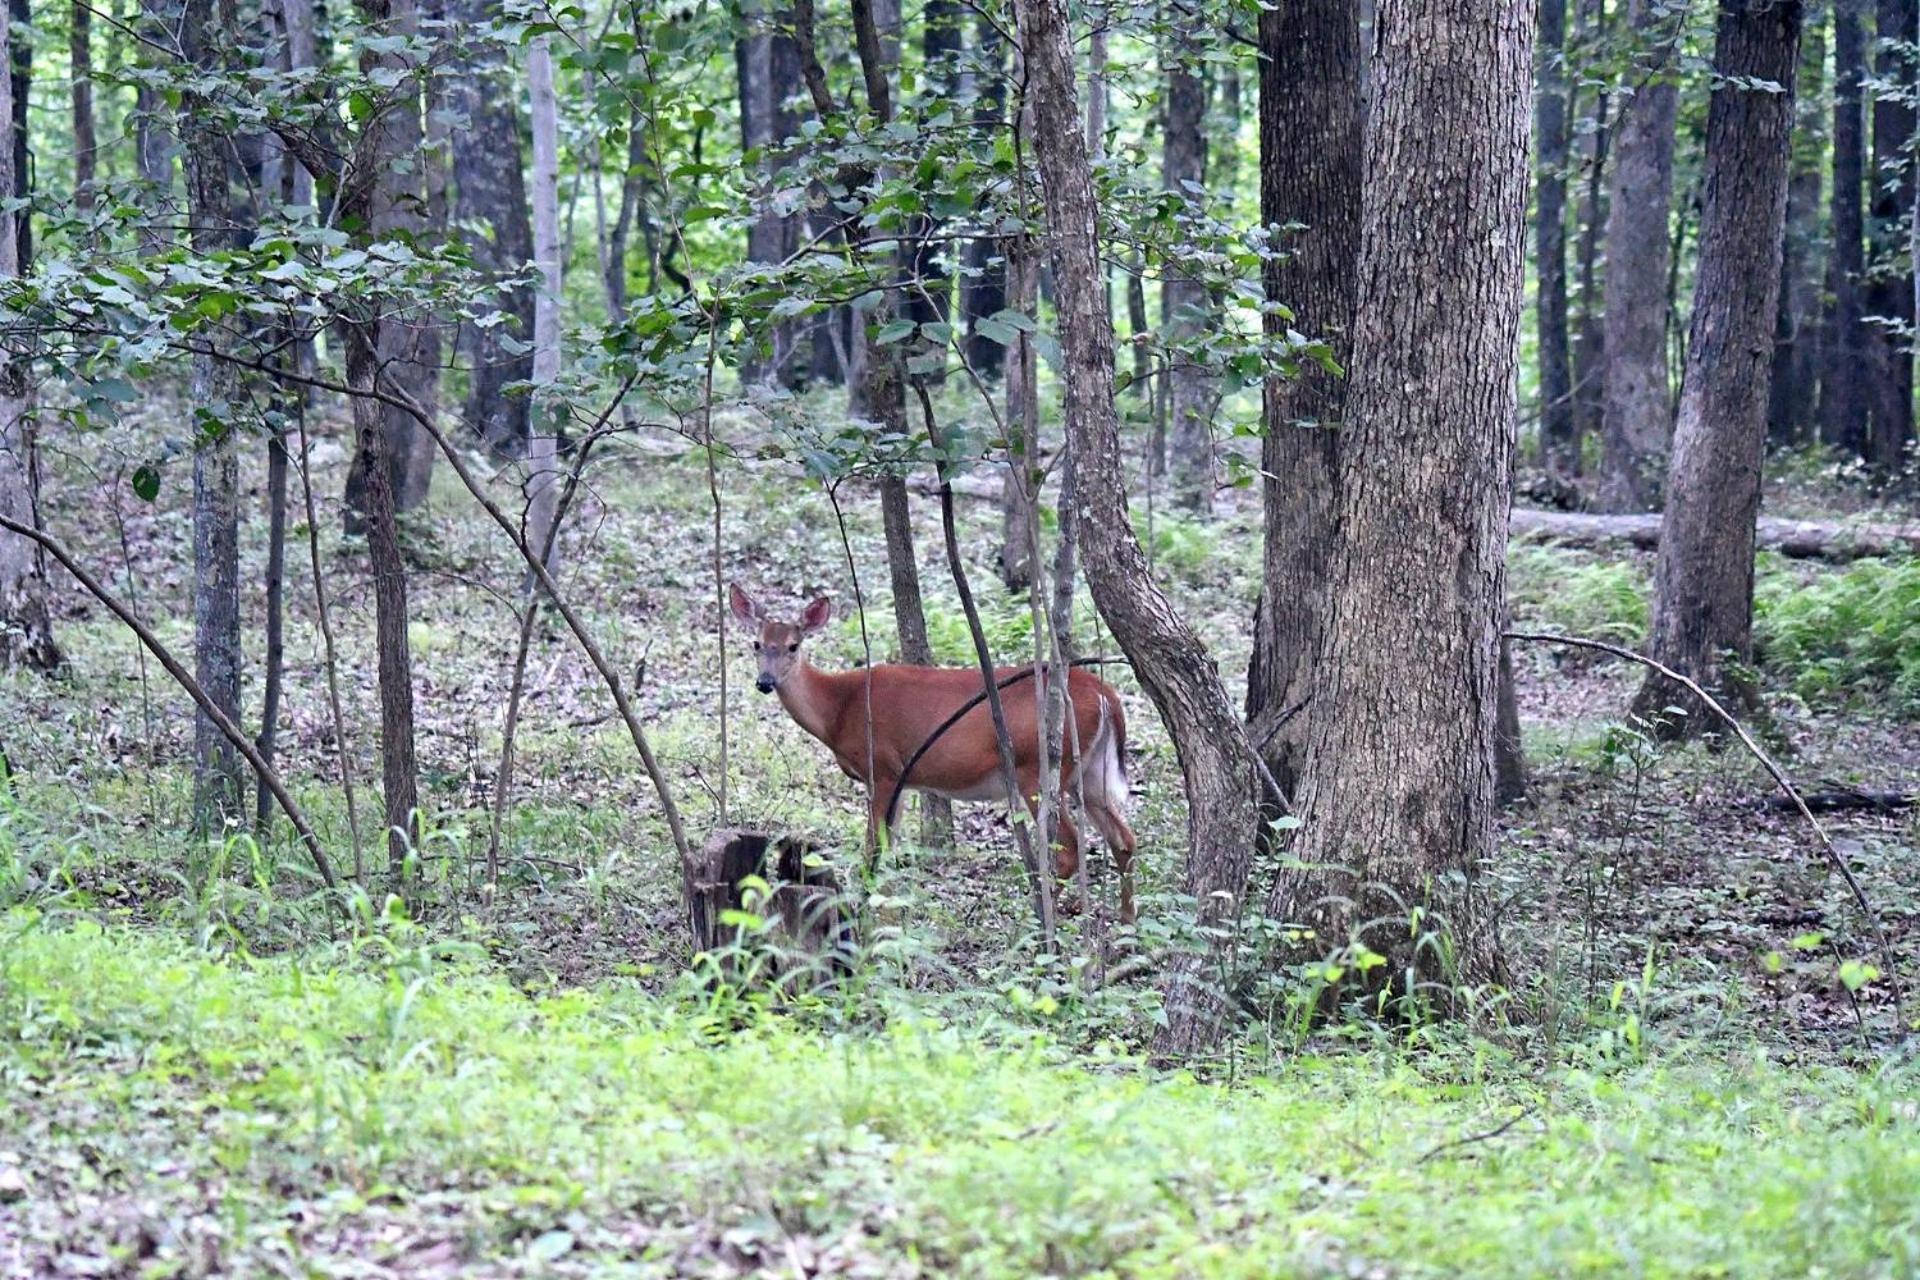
814	699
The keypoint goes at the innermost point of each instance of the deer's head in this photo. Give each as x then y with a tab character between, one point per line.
776	645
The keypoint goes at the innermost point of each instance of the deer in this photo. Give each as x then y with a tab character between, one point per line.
909	703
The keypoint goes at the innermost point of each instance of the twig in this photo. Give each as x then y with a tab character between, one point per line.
1779	776
1472	1138
228	729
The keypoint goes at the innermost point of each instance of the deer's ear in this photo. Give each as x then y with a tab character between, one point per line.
743	605
817	615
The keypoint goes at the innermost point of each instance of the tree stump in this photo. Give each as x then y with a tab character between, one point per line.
814	928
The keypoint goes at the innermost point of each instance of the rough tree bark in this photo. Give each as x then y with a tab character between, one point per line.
218	780
1595	132
766	69
1889	300
1703	583
376	347
1637	409
1559	443
490	197
1843	381
1796	339
983	287
1310	129
1173	665
1398	805
80	59
1183	298
26	628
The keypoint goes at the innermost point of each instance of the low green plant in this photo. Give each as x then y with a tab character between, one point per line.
1577	592
1851	635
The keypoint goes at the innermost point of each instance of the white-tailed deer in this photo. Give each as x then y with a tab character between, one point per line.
910	703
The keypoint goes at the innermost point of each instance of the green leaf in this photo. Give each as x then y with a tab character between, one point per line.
895	331
146	481
995	331
1855	974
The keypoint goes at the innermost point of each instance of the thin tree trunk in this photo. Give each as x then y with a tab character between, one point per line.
1589	340
1017	486
1796	343
1638	407
632	192
489	189
217	766
1843	376
1310	130
543	111
1183	298
26	628
276	646
764	122
1559	443
1889	300
376	348
1170	660
1398	806
80	53
1703	584
983	291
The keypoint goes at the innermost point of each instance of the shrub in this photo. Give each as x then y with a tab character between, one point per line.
1848	635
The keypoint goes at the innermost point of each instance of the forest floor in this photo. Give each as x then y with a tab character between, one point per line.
1690	971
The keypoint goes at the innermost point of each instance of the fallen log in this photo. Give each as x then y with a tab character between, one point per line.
1797	539
1850	800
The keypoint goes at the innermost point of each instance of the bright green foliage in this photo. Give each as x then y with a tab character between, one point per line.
606	1127
1578	593
1851	635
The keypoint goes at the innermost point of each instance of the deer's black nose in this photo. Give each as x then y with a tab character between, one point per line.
764	684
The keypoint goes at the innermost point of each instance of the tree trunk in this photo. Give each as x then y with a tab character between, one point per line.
1559	443
761	55
26	629
1185	308
80	54
1168	657
1637	413
1843	375
1703	584
1017	487
1398	806
217	767
1310	129
930	297
489	190
542	482
1796	342
983	291
1889	300
1589	349
375	348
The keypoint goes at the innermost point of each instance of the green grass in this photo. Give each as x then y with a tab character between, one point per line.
284	1101
1578	593
1851	635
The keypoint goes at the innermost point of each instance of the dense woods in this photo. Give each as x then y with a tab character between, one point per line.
1433	482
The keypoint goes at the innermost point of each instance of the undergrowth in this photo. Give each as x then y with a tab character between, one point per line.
393	1098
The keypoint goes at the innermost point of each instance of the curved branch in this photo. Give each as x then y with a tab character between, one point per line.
228	729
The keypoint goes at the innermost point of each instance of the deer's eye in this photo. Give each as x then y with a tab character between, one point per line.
793	648
756	646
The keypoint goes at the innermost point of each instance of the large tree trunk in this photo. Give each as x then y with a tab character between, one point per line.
1184	304
1559	442
1637	412
218	784
1310	130
26	629
489	190
1398	805
1703	586
1889	301
1172	664
1843	380
1796	341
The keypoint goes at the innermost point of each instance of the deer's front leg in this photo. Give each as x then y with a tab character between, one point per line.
879	830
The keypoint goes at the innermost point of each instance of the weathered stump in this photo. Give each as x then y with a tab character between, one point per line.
813	920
